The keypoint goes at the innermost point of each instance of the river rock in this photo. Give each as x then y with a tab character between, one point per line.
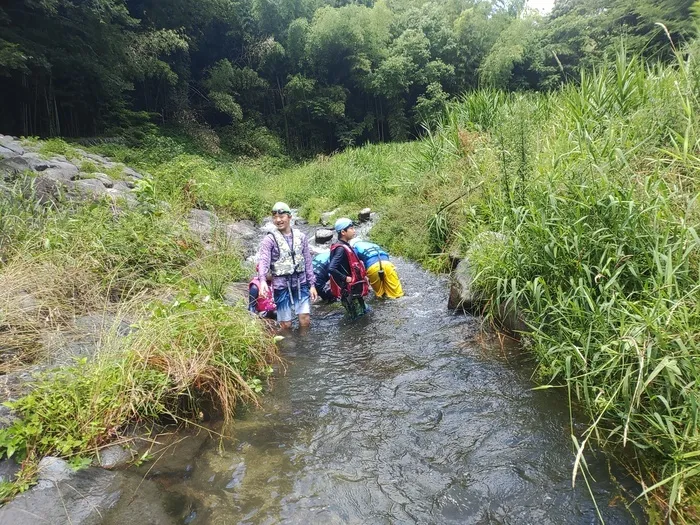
245	234
8	469
462	295
327	217
323	235
364	214
63	496
201	223
114	457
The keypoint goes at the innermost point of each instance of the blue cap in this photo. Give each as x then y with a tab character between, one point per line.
343	224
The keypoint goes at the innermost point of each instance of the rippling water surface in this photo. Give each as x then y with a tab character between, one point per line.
404	416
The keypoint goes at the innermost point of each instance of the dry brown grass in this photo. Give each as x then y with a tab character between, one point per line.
38	297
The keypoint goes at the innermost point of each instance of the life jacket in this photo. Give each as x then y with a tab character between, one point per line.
369	253
359	286
321	263
264	303
291	260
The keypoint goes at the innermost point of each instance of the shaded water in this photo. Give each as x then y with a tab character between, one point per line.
400	417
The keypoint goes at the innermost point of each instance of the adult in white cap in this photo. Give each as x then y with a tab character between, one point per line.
285	254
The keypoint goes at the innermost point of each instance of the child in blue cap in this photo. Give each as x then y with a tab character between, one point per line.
348	276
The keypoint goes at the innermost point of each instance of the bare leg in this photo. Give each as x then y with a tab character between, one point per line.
285	325
304	320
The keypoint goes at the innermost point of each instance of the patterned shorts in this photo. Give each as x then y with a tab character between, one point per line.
299	302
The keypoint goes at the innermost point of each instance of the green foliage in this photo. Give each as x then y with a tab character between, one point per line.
75	410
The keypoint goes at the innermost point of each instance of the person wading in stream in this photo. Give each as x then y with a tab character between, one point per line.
323	287
285	253
348	277
381	272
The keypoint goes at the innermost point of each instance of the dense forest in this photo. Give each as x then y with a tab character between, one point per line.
261	76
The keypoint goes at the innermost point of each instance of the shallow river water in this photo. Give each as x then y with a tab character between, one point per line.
404	416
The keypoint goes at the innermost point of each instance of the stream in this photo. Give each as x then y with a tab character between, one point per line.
407	415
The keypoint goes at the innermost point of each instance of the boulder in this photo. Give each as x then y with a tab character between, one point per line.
244	234
128	172
88	188
8	469
461	294
364	215
114	457
11	144
323	235
64	496
236	292
102	177
6	152
201	223
327	217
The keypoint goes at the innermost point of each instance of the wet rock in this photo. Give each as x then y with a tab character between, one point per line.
8	469
63	496
364	214
114	457
461	293
323	235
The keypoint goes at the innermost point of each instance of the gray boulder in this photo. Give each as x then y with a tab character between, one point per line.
327	217
114	457
244	234
323	235
364	215
63	496
201	223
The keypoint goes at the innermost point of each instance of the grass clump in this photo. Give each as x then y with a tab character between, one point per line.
186	356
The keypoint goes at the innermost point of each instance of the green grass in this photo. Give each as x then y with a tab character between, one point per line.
592	190
187	354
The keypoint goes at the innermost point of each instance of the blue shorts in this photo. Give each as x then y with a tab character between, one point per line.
299	303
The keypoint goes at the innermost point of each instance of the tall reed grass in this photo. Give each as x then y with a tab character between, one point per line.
602	256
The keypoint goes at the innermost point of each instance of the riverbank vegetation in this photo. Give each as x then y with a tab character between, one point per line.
169	350
594	190
574	136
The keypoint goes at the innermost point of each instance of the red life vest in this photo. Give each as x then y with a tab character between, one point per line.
359	286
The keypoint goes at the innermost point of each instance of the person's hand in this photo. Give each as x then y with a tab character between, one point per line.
348	279
264	289
314	294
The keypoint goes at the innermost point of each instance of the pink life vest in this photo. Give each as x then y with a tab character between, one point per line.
265	303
